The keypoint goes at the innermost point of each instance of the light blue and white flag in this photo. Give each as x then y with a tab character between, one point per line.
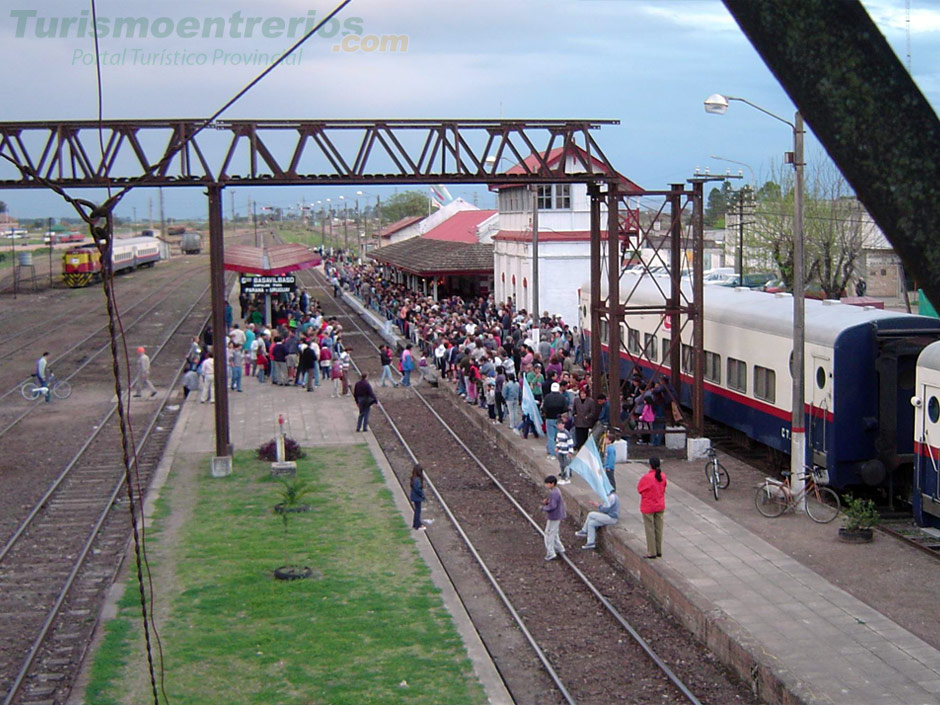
530	408
587	463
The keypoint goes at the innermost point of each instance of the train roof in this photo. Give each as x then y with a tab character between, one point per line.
773	313
930	357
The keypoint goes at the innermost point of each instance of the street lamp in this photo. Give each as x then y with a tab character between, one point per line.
717	104
378	210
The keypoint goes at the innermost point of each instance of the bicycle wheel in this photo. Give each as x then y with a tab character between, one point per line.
822	505
30	391
714	481
62	390
724	479
771	500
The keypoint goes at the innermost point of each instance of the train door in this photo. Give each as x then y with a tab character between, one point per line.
927	474
820	410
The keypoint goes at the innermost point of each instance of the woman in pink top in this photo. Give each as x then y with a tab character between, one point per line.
652	489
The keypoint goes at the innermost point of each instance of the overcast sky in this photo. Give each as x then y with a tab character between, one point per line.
647	63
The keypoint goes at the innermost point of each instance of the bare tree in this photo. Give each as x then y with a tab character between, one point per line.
836	228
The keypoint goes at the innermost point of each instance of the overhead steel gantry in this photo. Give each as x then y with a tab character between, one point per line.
123	154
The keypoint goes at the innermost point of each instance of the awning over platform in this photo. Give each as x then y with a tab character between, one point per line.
429	258
269	261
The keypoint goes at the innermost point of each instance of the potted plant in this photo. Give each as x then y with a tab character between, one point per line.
291	492
859	517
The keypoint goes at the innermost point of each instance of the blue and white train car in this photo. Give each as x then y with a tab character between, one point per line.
926	403
860	371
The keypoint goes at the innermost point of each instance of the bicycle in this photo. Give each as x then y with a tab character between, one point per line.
718	477
774	497
32	390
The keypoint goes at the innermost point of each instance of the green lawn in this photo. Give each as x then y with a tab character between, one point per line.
370	628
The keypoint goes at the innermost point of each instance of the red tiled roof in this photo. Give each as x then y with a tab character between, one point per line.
532	162
389	230
460	227
268	261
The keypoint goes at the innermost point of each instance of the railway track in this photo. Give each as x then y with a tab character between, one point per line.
60	560
587	649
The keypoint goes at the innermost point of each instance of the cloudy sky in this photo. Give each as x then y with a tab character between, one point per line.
647	63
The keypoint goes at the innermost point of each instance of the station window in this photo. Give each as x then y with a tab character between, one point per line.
687	358
563	197
713	367
665	349
545	197
737	375
649	347
765	384
633	341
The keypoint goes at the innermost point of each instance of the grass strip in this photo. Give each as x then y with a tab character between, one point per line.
370	627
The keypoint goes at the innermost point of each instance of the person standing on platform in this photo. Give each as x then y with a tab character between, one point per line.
143	373
585	415
207	372
364	397
554	508
235	363
417	496
652	490
563	449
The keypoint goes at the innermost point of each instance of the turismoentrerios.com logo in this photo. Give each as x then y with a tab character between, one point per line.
30	24
348	33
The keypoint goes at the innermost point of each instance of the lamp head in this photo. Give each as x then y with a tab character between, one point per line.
716	104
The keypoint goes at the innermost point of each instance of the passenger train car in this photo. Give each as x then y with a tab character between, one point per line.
926	403
860	372
82	265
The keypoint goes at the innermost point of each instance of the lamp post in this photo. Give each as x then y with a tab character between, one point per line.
329	208
717	104
345	232
378	226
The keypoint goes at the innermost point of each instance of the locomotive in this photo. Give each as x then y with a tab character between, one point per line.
860	366
82	265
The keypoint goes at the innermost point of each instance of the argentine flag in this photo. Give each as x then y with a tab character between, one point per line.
530	408
587	463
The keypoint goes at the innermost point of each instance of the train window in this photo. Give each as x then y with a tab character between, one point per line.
765	384
933	410
605	338
820	378
687	358
633	341
649	347
665	349
713	367
737	375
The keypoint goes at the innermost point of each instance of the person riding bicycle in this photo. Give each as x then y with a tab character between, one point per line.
43	373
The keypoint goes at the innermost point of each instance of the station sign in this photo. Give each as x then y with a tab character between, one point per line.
283	284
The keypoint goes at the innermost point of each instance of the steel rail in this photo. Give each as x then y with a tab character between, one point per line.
91	335
642	643
99	428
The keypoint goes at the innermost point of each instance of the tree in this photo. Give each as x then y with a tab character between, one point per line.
3	207
836	229
404	205
717	205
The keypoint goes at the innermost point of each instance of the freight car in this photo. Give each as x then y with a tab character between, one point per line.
859	370
82	265
190	243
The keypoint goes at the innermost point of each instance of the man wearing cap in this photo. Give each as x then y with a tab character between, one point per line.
143	373
554	405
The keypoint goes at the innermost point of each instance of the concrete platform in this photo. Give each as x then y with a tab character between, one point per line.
782	627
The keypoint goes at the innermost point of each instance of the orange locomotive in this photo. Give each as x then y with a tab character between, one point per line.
82	265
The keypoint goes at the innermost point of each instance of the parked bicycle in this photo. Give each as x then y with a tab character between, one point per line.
718	477
32	389
774	497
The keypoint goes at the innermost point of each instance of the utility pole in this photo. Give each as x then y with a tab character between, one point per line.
345	233
534	194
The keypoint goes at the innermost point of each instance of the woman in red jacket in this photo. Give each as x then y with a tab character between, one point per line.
652	489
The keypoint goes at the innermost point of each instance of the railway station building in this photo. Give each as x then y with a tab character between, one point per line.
564	229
